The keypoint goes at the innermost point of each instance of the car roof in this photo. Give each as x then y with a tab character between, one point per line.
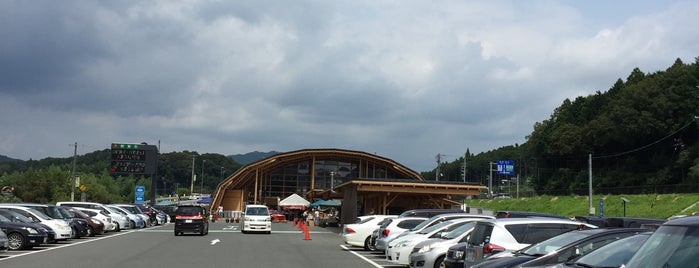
507	221
684	221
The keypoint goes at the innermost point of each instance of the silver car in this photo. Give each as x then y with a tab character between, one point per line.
431	253
393	228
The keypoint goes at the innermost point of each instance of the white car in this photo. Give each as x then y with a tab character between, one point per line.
392	229
135	221
399	249
60	227
359	234
135	210
256	219
97	214
431	252
119	220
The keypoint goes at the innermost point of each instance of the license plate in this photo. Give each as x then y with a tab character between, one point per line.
187	221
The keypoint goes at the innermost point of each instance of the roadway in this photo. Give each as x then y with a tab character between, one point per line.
224	246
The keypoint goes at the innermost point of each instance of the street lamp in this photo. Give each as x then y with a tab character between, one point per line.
332	181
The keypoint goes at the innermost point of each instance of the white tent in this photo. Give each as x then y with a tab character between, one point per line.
294	201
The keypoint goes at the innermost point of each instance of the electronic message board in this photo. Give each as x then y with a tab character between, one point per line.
129	158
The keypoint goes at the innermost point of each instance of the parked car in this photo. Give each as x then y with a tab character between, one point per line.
101	216
168	210
4	242
16	217
133	209
94	226
135	221
60	227
525	214
256	218
393	227
558	249
191	218
507	234
79	227
442	218
359	233
614	254
428	212
20	235
152	214
160	216
674	244
431	252
82	227
398	250
118	220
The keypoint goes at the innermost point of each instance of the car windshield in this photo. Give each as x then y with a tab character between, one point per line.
114	210
460	230
4	219
613	254
55	213
39	214
66	214
189	211
257	211
133	210
553	244
79	213
669	246
435	227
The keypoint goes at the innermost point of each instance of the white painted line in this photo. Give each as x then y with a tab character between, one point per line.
361	257
123	232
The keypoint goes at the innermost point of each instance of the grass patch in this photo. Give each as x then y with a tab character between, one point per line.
660	206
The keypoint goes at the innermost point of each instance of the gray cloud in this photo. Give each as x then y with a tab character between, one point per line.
405	80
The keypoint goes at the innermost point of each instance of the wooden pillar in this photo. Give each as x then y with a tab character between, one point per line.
349	205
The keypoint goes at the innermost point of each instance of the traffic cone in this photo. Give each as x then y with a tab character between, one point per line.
294	223
307	235
301	224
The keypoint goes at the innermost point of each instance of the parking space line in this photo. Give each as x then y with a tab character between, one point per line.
361	256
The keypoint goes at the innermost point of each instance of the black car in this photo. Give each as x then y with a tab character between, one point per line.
16	217
559	249
191	219
21	235
674	244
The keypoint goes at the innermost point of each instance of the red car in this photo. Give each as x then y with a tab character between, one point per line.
94	226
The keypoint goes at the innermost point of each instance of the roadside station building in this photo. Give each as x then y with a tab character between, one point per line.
363	181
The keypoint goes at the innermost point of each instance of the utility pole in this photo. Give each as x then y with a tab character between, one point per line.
194	177
72	184
589	183
439	161
490	181
202	176
463	170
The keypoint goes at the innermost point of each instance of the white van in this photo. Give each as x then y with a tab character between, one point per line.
121	221
256	219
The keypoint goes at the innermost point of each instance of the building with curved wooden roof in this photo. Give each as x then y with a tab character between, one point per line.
365	182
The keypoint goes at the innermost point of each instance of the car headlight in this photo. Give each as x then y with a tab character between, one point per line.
405	244
425	249
31	230
458	254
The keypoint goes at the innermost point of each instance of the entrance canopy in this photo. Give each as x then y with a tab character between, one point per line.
294	201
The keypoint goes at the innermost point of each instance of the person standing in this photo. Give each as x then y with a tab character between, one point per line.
316	217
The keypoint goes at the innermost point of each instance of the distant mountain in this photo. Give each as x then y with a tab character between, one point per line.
5	158
248	158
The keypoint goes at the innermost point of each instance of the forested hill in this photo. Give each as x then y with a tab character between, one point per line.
641	134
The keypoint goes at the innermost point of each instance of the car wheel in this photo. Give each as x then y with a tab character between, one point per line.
90	231
117	228
133	225
16	241
73	233
177	233
367	243
439	263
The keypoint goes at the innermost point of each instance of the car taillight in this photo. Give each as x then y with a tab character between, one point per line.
349	231
490	247
385	232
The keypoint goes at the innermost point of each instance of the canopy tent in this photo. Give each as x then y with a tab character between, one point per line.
317	203
205	200
331	203
294	201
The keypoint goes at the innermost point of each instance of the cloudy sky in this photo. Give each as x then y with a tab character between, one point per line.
406	80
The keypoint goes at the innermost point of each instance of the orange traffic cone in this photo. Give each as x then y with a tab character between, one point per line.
294	223
307	235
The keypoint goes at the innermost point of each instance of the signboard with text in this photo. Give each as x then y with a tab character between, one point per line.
506	167
129	158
